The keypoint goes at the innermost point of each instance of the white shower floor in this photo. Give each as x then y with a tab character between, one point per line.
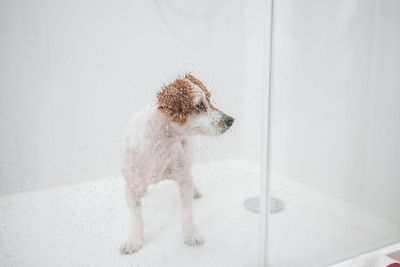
84	224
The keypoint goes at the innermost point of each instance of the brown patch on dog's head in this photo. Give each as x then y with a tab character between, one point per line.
175	100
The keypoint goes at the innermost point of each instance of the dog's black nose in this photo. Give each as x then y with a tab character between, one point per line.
228	120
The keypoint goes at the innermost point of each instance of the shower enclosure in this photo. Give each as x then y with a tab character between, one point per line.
314	89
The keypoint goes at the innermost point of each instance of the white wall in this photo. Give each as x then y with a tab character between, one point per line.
72	73
336	92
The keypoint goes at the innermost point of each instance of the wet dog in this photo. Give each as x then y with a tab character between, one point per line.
157	148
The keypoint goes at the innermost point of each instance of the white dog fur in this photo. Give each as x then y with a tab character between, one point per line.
157	149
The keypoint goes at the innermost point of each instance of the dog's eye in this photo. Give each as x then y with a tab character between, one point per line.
201	106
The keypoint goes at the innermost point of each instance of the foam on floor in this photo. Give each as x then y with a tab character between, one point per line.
85	224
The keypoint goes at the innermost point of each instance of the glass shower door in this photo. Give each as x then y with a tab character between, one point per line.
335	150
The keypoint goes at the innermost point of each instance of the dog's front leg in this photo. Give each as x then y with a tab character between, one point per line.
135	239
191	235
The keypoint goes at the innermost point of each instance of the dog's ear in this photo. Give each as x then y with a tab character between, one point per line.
175	100
199	84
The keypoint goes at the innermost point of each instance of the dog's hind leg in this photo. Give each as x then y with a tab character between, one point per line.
135	239
196	194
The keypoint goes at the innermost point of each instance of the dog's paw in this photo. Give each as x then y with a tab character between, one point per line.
130	246
197	195
194	240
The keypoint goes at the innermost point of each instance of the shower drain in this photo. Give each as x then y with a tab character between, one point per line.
253	204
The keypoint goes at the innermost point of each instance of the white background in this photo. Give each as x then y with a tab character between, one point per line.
72	73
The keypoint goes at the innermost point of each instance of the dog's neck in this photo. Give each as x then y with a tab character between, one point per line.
167	131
